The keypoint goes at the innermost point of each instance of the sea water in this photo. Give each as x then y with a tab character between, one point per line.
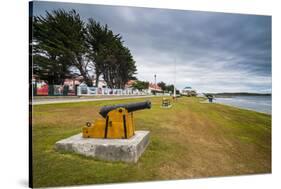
256	103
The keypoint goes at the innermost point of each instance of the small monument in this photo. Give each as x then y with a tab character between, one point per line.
166	103
112	137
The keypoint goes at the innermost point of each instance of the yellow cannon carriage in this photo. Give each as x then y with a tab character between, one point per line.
117	121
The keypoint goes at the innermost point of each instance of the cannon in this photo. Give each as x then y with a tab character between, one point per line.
117	121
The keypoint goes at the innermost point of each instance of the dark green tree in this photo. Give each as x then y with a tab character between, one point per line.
170	88
47	61
140	85
98	39
63	46
111	59
59	47
162	85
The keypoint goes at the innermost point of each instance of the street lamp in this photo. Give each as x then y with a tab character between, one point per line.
155	81
175	79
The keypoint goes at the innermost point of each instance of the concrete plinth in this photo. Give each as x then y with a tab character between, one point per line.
126	150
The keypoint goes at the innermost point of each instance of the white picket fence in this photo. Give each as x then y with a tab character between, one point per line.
93	91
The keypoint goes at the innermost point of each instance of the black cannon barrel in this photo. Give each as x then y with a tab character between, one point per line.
130	107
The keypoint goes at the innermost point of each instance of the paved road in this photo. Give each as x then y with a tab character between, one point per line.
38	101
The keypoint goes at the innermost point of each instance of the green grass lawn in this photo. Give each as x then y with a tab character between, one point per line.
189	140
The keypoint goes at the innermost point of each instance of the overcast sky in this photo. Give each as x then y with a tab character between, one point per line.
213	52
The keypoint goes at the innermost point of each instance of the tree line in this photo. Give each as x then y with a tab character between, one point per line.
166	87
141	85
64	46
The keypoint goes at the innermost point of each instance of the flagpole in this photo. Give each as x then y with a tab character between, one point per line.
175	77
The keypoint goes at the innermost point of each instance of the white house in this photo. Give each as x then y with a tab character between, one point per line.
188	91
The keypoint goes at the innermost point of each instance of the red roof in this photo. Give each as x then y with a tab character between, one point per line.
155	87
130	82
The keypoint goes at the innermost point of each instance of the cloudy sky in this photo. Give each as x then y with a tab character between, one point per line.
213	52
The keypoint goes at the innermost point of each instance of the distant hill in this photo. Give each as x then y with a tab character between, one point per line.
240	94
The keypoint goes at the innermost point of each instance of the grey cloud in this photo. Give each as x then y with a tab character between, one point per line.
213	51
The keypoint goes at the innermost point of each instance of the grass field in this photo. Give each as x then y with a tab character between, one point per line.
190	140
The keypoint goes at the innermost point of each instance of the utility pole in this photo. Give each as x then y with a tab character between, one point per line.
155	80
175	77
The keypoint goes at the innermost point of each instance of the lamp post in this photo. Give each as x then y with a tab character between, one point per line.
155	81
175	79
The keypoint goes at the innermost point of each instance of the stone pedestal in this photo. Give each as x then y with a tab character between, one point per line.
126	150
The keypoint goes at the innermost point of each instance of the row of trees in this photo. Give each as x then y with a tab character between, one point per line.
141	85
166	87
64	46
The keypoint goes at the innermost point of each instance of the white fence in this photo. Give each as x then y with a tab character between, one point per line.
84	90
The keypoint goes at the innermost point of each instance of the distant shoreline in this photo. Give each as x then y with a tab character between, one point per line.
239	94
258	103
